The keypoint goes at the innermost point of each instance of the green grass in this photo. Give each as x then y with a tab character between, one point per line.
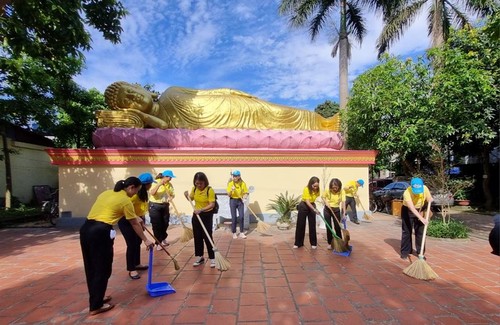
453	229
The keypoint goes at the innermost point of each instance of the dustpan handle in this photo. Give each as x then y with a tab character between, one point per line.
150	268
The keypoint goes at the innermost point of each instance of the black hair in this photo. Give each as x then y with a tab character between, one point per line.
200	176
335	182
121	184
143	194
312	180
159	176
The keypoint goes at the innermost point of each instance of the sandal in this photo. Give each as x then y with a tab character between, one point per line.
141	267
106	299
135	276
103	309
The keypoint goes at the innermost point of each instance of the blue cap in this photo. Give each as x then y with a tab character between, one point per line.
417	185
146	178
168	173
236	173
360	182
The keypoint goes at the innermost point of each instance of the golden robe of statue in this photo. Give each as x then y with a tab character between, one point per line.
184	108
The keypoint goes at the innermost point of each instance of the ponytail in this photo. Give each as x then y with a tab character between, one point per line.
121	184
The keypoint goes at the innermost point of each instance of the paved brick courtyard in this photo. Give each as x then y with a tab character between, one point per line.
269	282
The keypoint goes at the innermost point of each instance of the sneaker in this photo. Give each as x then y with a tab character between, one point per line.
242	235
404	257
234	235
158	248
329	247
314	247
295	246
212	263
356	222
164	243
199	261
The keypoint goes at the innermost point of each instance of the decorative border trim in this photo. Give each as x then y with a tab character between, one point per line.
207	157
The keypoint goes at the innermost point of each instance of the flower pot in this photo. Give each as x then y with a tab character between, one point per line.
283	225
462	202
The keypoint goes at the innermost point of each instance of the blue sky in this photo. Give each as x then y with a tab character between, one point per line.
237	44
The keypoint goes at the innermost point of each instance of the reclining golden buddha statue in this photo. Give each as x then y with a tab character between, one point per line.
185	108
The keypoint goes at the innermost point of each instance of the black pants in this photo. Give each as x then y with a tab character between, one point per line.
237	205
351	202
160	218
97	251
133	254
200	236
409	224
304	212
327	213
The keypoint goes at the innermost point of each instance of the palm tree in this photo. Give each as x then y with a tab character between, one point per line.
400	14
317	13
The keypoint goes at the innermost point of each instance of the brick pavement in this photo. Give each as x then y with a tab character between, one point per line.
269	282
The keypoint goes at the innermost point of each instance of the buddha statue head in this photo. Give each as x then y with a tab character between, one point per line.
123	95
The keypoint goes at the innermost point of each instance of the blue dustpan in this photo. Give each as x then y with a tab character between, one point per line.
159	288
348	253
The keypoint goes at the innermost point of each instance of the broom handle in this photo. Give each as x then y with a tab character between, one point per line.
425	230
334	216
248	207
202	225
151	234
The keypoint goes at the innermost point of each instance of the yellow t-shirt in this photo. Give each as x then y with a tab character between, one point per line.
334	199
352	188
160	195
417	199
111	206
240	189
309	196
140	207
201	198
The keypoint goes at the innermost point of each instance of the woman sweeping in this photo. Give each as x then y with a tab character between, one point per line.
334	198
204	202
133	254
159	204
97	238
237	191
307	210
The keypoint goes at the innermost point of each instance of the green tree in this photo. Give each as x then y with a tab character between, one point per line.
400	14
390	111
317	14
467	95
327	109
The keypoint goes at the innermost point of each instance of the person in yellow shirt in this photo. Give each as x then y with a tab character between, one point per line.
351	192
97	238
204	202
334	198
133	253
160	196
307	210
237	191
415	200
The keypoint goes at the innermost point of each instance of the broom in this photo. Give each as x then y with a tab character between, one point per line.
339	244
365	215
187	233
221	263
262	227
420	269
176	265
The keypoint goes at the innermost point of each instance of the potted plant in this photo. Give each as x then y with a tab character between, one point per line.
461	198
460	189
284	204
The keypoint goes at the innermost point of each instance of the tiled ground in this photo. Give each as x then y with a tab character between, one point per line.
269	282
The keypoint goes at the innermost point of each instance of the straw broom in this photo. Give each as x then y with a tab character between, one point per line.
187	233
262	227
176	265
420	269
221	263
338	244
365	215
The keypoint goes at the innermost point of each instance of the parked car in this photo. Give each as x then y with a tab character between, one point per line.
384	196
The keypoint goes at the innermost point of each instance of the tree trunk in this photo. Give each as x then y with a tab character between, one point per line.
437	33
343	65
8	174
485	160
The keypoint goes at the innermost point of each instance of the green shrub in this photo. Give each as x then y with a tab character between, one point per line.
452	229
